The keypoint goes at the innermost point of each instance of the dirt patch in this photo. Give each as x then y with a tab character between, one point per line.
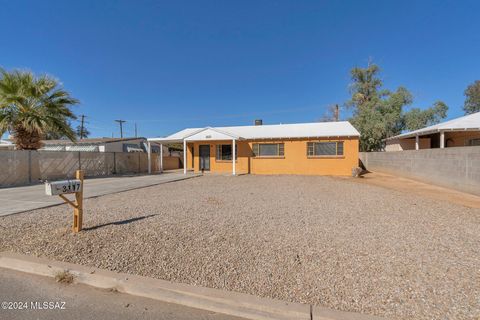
420	188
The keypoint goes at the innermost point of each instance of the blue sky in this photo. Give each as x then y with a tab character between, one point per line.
167	65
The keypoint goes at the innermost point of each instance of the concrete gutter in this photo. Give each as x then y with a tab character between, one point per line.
231	303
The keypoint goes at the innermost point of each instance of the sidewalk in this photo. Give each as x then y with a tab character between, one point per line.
21	199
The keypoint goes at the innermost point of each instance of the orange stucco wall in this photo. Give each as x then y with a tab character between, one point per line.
295	160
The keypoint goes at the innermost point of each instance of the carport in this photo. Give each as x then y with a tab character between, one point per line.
193	135
174	138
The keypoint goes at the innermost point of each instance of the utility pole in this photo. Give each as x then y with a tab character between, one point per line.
121	122
135	129
82	126
337	113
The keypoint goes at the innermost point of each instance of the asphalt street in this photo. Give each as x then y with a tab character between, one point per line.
35	297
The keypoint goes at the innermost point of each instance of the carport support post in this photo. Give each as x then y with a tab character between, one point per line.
149	157
233	156
161	157
442	139
184	156
417	142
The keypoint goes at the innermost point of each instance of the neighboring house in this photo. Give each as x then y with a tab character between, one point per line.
459	132
98	145
6	145
322	148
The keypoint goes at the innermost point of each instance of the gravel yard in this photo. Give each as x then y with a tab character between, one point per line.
326	241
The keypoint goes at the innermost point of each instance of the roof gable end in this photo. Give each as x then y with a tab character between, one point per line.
209	133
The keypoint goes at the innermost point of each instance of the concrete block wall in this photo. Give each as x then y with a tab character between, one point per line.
456	168
51	165
14	168
97	164
20	167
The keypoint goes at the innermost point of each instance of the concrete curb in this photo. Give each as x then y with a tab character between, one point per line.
231	303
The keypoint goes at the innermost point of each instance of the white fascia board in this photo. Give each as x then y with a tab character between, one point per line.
302	138
164	140
211	134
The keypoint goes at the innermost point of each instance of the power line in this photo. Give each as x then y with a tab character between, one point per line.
179	118
121	122
228	116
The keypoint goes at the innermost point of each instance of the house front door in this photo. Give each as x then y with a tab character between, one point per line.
204	156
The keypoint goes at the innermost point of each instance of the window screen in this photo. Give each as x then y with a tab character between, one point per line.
340	148
325	148
269	149
475	142
224	152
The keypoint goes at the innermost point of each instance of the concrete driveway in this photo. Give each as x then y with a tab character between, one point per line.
21	199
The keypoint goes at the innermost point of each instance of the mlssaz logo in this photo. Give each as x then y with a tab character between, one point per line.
51	305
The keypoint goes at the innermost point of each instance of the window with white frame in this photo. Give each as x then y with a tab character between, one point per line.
224	152
319	149
268	149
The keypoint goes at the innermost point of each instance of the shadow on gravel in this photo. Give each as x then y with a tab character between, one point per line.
119	223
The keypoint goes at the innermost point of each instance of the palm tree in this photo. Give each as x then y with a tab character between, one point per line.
31	107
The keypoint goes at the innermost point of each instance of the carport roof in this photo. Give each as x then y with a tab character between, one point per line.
469	122
276	131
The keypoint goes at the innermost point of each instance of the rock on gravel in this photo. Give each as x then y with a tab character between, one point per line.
319	240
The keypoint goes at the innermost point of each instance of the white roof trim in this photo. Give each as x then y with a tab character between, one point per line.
178	136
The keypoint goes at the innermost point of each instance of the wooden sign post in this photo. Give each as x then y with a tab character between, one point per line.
78	209
70	186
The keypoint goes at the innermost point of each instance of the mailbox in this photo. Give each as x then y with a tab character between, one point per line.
59	188
63	187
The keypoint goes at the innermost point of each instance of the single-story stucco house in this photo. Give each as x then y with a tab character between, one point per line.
459	132
321	148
